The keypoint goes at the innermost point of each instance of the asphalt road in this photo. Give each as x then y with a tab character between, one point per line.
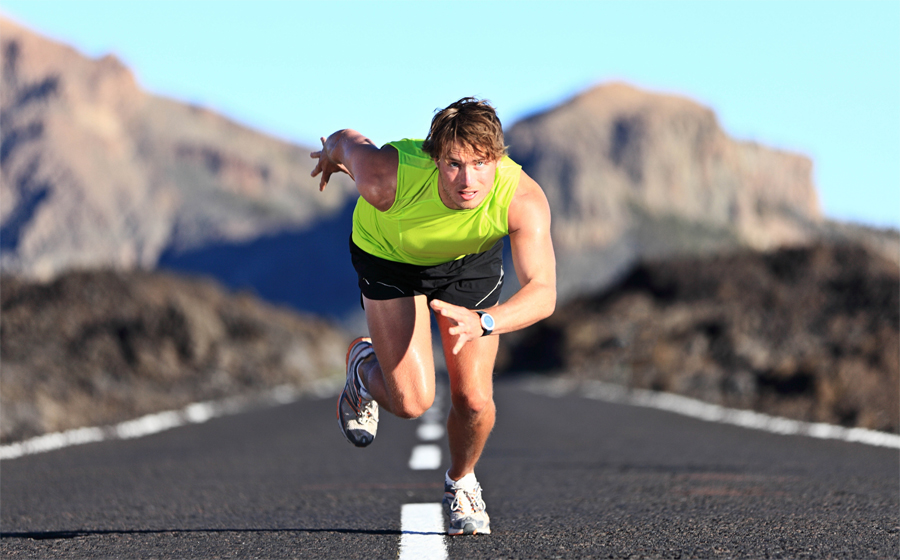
563	477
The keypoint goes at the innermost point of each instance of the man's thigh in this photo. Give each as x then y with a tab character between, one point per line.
471	370
400	329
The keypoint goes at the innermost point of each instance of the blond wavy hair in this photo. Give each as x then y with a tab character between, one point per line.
470	122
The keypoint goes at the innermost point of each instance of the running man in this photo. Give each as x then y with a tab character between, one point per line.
428	232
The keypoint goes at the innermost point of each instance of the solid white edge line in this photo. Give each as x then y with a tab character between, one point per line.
195	413
693	408
422	533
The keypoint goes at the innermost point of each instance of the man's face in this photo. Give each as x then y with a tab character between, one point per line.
466	178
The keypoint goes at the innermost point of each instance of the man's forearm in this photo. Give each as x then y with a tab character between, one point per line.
533	302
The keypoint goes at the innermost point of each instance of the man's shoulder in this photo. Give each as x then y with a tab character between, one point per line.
507	166
409	147
506	181
411	156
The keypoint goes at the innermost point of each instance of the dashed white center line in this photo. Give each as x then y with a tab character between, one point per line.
422	525
428	456
425	457
422	532
430	432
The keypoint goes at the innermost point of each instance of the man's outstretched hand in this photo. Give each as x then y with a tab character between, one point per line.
326	166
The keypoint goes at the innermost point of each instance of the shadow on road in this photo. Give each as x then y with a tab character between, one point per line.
49	535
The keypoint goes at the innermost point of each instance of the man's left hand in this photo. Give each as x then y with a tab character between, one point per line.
327	166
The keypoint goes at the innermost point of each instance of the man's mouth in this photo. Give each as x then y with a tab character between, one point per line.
467	195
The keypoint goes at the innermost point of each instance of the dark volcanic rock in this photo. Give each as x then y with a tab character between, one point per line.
93	348
809	333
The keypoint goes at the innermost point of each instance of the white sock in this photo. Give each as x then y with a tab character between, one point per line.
466	483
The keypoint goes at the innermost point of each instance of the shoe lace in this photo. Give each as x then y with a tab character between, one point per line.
366	412
468	501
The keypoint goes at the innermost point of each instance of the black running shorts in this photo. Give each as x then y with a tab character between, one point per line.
473	281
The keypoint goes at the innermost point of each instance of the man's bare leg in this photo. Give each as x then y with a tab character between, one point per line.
472	410
469	424
401	376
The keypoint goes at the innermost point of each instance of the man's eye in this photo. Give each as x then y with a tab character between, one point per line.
479	163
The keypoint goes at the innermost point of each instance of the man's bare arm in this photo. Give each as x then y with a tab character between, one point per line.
373	169
533	258
535	263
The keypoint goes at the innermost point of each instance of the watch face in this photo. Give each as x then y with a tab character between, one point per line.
487	321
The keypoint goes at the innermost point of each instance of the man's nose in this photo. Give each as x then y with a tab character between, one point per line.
466	176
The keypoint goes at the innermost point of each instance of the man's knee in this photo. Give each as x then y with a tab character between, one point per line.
410	407
472	402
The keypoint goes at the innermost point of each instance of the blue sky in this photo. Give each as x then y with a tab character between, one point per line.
817	77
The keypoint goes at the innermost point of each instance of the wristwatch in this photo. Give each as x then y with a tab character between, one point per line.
487	323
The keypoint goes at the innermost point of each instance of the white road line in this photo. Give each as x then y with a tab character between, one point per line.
422	525
710	412
430	432
428	456
195	413
425	457
422	532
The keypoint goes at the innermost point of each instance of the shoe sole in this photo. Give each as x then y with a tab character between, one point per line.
470	529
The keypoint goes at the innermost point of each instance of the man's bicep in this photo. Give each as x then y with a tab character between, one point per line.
530	241
533	257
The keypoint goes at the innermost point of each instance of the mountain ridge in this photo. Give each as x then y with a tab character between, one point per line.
98	173
666	154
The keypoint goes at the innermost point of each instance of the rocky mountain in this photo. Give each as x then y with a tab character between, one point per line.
97	172
631	173
811	333
93	348
615	150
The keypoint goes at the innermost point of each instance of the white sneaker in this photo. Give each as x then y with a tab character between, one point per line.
357	416
466	510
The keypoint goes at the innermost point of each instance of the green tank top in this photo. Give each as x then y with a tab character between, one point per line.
418	228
